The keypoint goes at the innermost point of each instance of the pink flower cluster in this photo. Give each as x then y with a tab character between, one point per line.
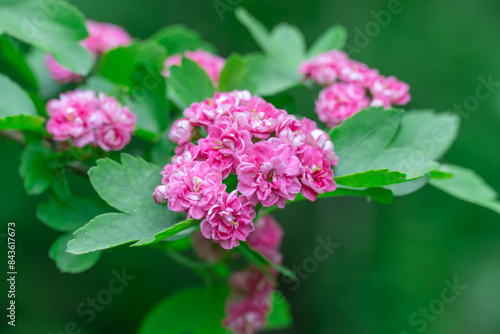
88	119
249	303
212	64
351	86
102	38
273	155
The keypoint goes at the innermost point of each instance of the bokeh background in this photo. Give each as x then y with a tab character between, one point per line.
392	260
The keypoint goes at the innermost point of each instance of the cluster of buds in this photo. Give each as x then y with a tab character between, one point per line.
88	119
350	86
273	155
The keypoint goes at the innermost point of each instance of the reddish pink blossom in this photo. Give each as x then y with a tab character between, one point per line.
261	120
113	137
160	194
319	139
212	64
181	132
250	301
224	145
87	119
268	173
69	115
357	73
340	101
324	68
189	153
266	239
194	188
229	221
390	91
104	37
291	131
317	174
59	73
247	316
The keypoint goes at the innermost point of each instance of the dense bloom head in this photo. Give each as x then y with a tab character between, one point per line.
325	67
266	239
390	91
229	221
340	101
87	119
194	188
268	173
317	174
261	120
212	64
104	37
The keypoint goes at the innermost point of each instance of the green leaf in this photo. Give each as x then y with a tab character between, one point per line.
12	63
466	185
59	33
280	316
191	310
189	83
235	75
332	39
71	263
288	45
177	228
429	133
128	187
23	122
178	38
13	100
47	87
371	178
99	84
258	31
363	143
271	75
380	195
71	213
138	67
35	169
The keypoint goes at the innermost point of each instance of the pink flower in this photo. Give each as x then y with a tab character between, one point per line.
189	153
266	239
340	101
69	115
261	120
250	301
115	113
291	131
380	101
390	91
182	132
194	188
212	64
247	316
113	137
229	221
104	37
319	139
317	174
224	145
324	68
87	119
160	194
357	73
59	73
268	173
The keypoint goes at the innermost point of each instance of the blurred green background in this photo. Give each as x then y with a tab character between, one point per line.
393	260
